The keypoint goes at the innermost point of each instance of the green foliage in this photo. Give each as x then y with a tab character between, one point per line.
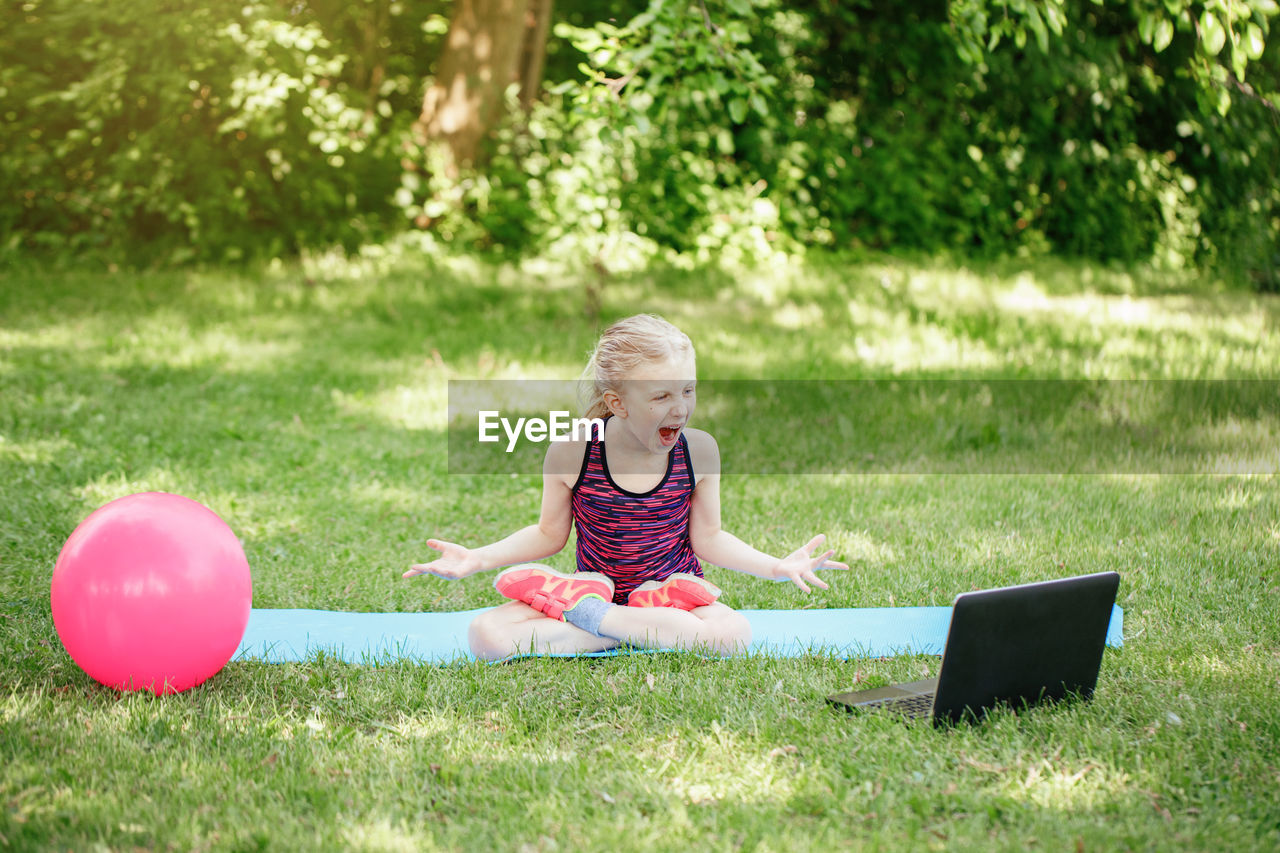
884	126
181	131
1201	118
634	158
685	77
1225	36
705	130
979	26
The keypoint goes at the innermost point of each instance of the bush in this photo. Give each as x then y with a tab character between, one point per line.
181	131
868	128
716	131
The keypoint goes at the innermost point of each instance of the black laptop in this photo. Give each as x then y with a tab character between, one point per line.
1018	645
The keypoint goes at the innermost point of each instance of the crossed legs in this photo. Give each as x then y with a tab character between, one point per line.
516	628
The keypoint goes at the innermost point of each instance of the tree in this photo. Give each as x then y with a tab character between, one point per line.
491	45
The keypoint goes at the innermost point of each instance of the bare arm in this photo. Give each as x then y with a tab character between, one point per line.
716	545
535	542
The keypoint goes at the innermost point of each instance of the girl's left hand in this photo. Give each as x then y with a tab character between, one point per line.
800	566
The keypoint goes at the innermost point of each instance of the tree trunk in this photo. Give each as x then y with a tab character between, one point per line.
489	47
534	53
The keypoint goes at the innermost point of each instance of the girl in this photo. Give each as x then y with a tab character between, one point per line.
646	503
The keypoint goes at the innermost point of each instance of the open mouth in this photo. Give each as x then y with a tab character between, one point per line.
669	434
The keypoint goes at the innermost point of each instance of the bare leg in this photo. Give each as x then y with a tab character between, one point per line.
516	628
716	628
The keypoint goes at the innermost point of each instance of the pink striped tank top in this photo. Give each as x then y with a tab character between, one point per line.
633	537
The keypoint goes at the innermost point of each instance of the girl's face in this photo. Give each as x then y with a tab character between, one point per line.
657	400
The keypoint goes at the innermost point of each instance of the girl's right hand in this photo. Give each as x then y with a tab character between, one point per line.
454	562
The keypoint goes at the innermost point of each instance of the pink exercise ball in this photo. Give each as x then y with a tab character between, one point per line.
152	592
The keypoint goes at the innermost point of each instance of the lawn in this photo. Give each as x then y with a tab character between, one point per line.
307	405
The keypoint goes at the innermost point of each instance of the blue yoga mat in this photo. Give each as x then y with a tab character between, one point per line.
278	636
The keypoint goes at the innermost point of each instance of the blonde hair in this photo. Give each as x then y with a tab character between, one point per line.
624	346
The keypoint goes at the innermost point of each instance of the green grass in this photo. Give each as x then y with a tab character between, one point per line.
306	405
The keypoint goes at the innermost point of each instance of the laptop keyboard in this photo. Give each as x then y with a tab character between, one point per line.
911	706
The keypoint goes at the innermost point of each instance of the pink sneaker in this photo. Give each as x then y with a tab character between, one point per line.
681	590
551	592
